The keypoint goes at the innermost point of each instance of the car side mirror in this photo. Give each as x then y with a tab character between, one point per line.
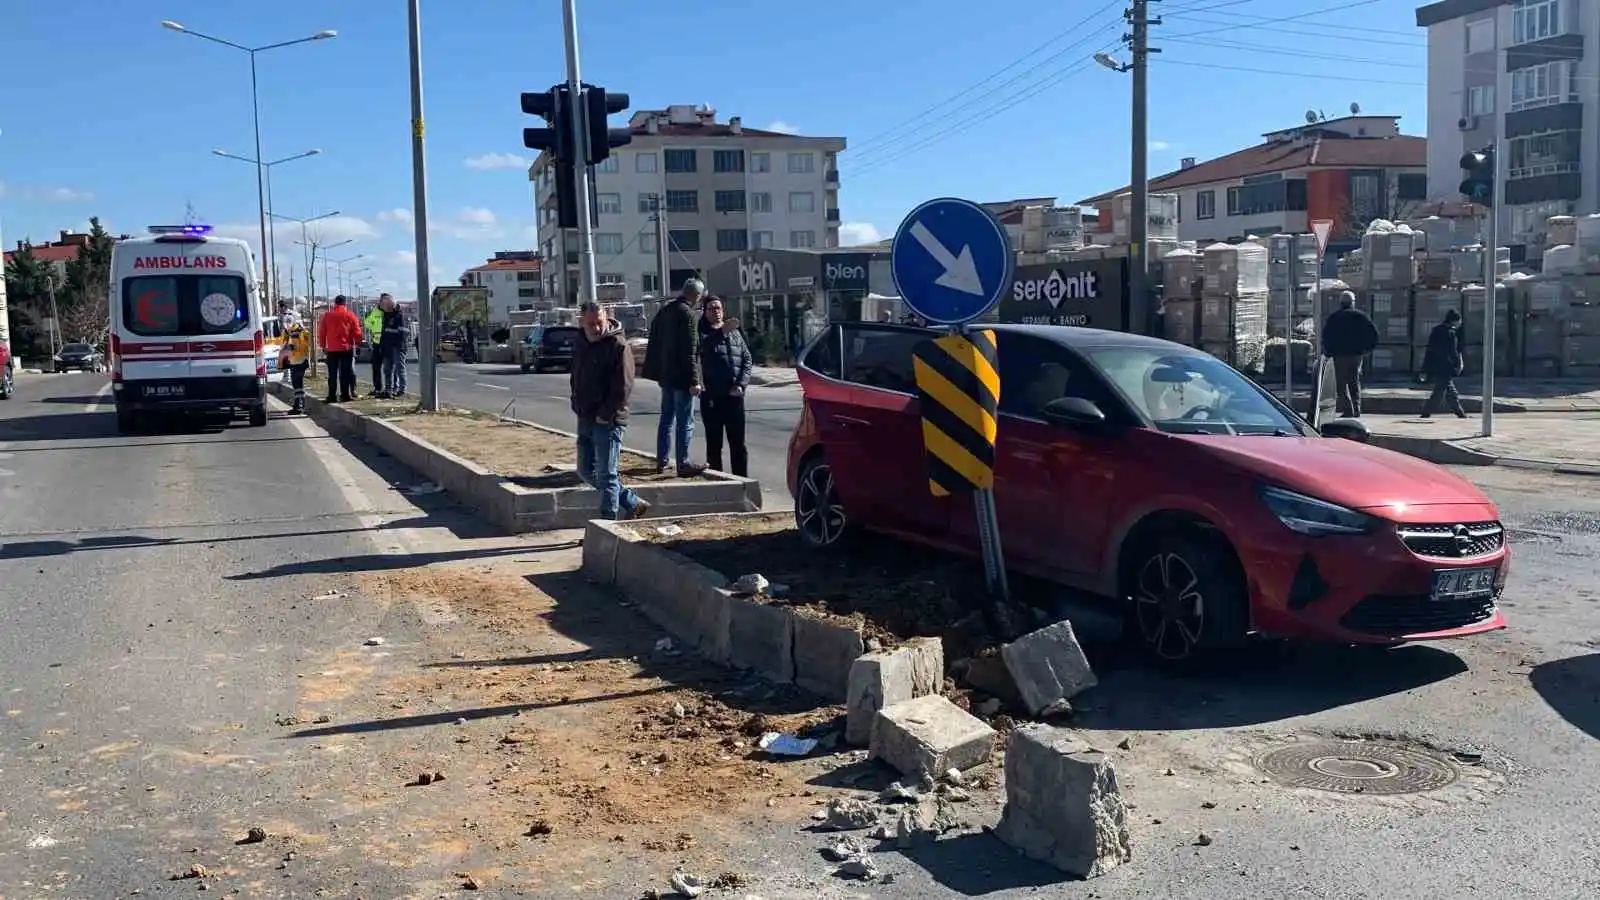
1074	412
1348	429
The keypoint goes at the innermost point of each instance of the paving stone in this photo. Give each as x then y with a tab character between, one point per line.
876	680
930	734
1063	806
1048	666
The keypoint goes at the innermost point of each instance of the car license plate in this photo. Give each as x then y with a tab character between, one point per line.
1454	584
272	364
163	390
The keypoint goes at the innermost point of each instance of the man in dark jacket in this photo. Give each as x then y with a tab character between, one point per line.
392	347
1441	363
725	364
1347	337
670	361
601	381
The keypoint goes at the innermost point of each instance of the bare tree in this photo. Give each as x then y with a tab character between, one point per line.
86	321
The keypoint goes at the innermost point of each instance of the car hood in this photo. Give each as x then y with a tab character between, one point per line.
1349	473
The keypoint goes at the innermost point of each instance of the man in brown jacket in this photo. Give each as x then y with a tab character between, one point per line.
602	380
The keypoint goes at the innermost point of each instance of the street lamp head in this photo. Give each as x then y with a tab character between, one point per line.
221	152
324	35
1106	60
314	151
171	25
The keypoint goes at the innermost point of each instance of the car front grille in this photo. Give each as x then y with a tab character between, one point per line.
1392	616
1461	541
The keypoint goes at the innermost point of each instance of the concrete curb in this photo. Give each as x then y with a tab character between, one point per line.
513	507
1451	454
694	604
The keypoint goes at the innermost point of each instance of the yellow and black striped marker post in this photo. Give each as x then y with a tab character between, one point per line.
958	378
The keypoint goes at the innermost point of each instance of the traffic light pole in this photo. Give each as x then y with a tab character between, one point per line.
1491	295
427	316
586	269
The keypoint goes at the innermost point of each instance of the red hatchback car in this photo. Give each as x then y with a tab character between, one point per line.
1150	472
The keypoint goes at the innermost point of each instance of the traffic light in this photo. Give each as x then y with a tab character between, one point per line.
558	143
599	105
1479	169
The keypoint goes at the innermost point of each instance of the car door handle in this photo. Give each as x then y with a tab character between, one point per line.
851	422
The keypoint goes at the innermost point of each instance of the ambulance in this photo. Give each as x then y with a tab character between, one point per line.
187	326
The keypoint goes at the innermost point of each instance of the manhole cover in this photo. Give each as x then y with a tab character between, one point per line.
1357	767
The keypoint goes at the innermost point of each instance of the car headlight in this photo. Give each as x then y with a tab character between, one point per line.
1313	517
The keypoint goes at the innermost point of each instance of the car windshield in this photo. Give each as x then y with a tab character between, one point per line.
167	305
77	348
1191	393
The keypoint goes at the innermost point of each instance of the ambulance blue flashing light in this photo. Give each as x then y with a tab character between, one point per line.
195	230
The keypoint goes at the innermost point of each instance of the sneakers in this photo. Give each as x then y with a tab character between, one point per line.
690	470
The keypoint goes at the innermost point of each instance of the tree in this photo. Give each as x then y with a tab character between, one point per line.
88	275
87	322
30	281
1352	219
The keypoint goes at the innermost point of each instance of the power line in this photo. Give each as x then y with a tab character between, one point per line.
882	137
1290	51
1294	18
1324	35
1188	12
1326	76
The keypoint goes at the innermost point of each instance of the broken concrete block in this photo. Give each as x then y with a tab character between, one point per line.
930	734
1048	666
1062	803
914	669
823	653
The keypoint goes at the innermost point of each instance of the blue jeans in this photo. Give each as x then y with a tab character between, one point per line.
677	408
394	369
599	456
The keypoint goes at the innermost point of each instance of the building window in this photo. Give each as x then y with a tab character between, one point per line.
1480	100
1549	153
527	276
1535	20
761	202
802	240
647	242
761	161
730	239
609	165
648	201
1480	36
608	204
802	163
684	240
528	293
1205	205
644	163
680	160
651	282
1259	194
802	202
1530	221
1411	186
683	201
1544	85
760	239
730	201
610	278
727	161
608	244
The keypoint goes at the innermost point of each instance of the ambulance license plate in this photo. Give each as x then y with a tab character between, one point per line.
163	390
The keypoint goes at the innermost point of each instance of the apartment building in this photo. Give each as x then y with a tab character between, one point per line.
1351	169
513	280
724	190
1516	71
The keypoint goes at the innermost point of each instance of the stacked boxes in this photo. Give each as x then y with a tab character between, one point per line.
1581	350
1182	274
1353	269
1391	313
1280	293
1387	255
1233	305
1472	330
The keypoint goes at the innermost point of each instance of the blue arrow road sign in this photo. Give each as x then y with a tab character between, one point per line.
951	261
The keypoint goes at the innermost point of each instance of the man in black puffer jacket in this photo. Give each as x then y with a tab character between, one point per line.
1347	337
725	364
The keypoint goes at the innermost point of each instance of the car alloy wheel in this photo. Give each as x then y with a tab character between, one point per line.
817	512
1169	606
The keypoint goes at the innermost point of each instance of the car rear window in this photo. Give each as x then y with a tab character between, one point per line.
166	305
77	348
559	335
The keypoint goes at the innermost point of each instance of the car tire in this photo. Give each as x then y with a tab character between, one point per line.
1188	600
526	368
819	517
258	416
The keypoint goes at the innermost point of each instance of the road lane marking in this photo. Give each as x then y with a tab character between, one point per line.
492	387
93	406
447	378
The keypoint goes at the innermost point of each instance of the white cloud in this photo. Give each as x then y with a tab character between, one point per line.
1159	146
471	223
398	214
488	162
68	195
45	195
780	125
323	232
853	233
477	216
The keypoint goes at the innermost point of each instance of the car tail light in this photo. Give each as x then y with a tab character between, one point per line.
261	362
116	358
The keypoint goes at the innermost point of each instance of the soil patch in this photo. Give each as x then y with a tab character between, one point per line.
504	448
891	590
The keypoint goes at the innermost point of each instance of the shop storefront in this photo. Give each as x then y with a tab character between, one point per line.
1086	293
783	298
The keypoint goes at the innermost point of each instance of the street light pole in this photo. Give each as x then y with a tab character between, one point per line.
255	110
427	346
311	277
269	233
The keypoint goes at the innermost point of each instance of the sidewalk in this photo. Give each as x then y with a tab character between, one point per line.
1511	395
774	376
1562	442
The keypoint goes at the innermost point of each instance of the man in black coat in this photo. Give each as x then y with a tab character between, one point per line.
1347	337
671	361
725	364
602	382
1441	363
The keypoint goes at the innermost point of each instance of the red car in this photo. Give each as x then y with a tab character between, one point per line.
1143	470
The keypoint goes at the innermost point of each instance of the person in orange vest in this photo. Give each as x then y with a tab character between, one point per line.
340	335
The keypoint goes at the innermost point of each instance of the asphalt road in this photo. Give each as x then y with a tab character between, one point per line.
770	414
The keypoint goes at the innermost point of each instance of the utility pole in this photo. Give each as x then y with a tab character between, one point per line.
427	316
580	174
1139	212
1491	283
663	264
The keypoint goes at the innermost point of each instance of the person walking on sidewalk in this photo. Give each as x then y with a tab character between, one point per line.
393	347
339	336
602	381
725	365
295	358
1347	337
670	360
1441	363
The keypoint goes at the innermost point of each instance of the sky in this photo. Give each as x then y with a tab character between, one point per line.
106	113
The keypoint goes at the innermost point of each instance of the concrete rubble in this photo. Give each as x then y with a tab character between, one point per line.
883	678
930	734
1063	806
1049	668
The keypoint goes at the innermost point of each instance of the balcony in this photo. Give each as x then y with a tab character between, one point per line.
1551	117
831	176
833	215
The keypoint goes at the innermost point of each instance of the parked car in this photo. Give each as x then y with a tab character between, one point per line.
549	346
1156	475
79	358
638	345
